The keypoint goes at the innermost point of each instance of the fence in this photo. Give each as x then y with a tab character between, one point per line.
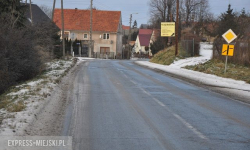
191	45
109	55
142	55
241	52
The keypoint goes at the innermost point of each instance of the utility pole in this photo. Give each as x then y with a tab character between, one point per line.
90	31
25	2
54	5
31	16
177	28
129	36
62	15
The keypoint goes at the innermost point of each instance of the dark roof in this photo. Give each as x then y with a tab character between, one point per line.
144	26
37	14
77	19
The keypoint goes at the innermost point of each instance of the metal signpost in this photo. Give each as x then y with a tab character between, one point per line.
227	49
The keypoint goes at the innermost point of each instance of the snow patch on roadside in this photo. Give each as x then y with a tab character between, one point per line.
200	77
206	52
33	94
84	59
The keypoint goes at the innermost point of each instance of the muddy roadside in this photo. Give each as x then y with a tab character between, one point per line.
49	120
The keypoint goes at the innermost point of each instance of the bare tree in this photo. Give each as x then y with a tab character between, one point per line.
170	6
47	10
160	11
190	8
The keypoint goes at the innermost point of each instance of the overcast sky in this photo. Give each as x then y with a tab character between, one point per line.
140	6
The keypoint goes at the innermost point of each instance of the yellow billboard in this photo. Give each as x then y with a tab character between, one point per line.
168	29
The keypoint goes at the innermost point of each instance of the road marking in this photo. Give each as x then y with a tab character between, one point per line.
145	91
124	74
159	102
133	82
199	134
183	121
128	77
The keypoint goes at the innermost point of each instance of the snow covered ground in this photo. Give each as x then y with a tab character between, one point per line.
206	53
31	95
236	87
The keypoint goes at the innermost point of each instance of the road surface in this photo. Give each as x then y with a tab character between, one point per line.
117	105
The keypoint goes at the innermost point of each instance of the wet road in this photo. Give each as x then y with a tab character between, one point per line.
117	105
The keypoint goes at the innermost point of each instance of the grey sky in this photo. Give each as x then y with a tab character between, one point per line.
140	6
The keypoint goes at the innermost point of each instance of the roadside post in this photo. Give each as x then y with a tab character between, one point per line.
227	49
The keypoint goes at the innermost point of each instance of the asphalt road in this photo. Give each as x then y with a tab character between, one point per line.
117	105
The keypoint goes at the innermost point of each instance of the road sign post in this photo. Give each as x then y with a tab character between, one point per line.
227	49
226	65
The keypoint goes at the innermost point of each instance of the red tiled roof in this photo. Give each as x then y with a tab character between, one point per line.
125	27
76	19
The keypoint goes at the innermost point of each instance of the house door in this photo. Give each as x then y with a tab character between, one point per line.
104	50
85	50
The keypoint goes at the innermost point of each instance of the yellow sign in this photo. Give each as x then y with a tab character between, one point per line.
228	50
168	29
229	36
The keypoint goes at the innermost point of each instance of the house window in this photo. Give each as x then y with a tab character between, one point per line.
66	34
106	36
85	36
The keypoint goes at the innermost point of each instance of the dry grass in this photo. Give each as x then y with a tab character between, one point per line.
216	67
16	103
167	56
16	107
4	101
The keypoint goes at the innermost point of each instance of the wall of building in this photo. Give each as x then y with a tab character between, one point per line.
137	46
119	38
97	37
